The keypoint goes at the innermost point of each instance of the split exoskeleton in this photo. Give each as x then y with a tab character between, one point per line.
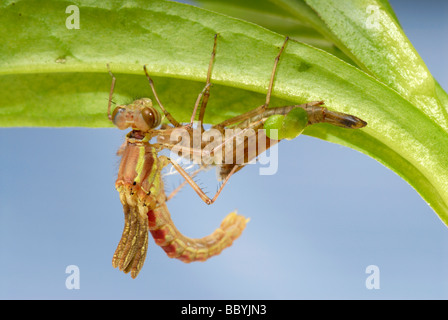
140	184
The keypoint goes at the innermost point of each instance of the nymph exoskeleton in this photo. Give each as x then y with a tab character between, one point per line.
140	184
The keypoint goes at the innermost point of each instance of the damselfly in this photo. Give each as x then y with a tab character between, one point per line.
239	140
140	184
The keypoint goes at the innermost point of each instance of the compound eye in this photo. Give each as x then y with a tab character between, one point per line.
148	116
119	119
151	117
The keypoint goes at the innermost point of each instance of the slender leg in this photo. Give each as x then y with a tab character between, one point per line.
175	191
248	115
207	92
204	95
110	93
271	83
200	95
167	114
194	185
259	110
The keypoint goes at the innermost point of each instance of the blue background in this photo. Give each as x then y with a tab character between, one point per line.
313	230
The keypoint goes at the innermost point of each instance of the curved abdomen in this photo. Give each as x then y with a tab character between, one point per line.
186	249
143	198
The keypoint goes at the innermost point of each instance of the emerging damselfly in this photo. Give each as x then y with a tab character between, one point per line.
236	142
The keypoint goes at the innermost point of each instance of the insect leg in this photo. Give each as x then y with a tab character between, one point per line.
194	185
209	75
274	69
175	191
200	95
261	109
205	93
166	113
110	93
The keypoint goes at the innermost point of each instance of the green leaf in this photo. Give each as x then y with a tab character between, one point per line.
55	76
298	21
372	36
